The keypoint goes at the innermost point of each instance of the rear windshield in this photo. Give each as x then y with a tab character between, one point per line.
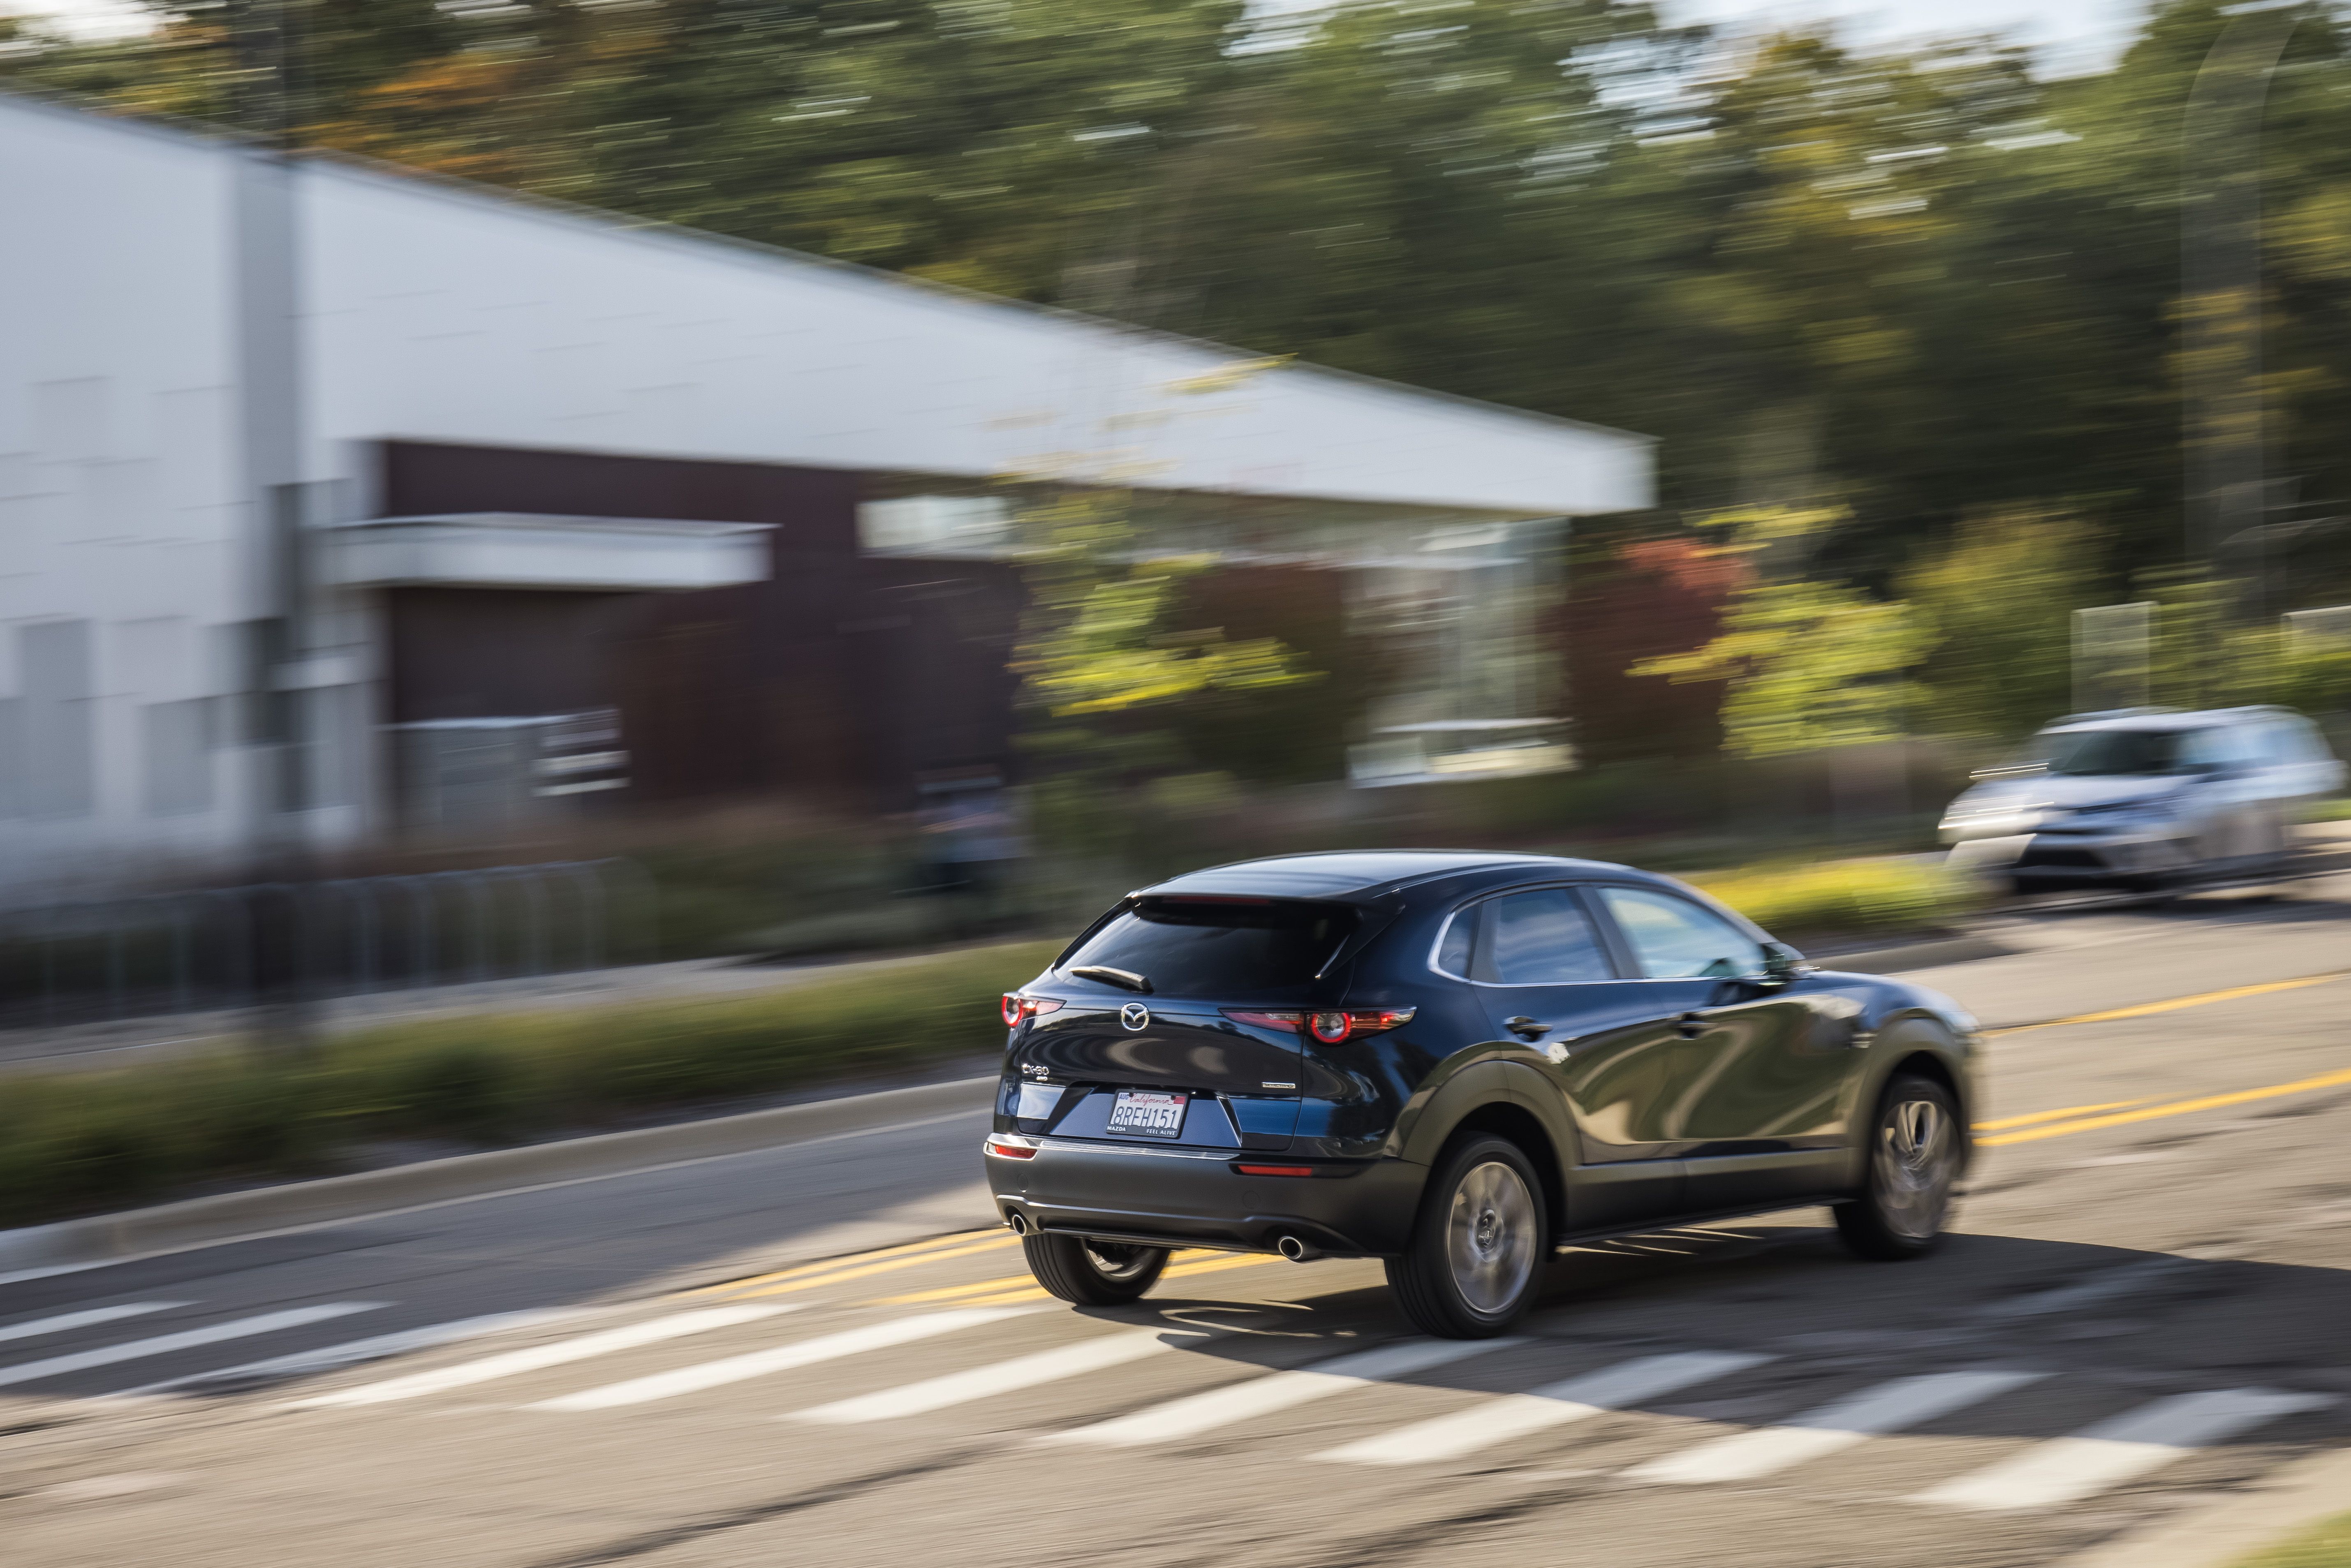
1229	951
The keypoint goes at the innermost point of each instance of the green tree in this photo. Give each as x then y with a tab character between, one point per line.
1805	665
1997	604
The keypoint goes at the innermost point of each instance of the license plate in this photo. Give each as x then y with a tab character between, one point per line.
1147	1115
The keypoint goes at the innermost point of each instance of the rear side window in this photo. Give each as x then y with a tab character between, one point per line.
1266	951
1541	938
1677	940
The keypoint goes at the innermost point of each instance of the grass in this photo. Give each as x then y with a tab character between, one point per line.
1847	898
2327	1544
80	1143
2328	811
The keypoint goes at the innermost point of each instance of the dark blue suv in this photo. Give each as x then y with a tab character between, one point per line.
1457	1063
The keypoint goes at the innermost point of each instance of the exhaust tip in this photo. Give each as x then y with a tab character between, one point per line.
1293	1249
1019	1222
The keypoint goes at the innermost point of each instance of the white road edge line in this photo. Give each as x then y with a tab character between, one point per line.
465	1374
1197	1413
2097	1457
1892	1406
781	1358
351	1353
65	1321
187	1338
1497	1420
1010	1377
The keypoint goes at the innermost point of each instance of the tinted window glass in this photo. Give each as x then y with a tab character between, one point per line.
2103	753
1241	952
1674	939
1544	938
1453	950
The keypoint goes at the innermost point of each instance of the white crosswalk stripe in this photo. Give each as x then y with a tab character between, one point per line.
1497	1420
351	1353
1889	1408
1263	1396
66	1321
2132	1444
513	1363
782	1358
1001	1377
186	1338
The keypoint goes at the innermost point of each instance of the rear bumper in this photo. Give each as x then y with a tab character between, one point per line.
1185	1197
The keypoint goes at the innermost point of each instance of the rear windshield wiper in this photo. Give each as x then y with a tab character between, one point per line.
1126	980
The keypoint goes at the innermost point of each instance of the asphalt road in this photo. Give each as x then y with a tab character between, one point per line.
814	1355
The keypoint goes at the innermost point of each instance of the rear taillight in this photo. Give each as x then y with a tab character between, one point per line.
1017	1009
1332	1027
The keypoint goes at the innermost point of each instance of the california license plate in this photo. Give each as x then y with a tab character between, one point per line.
1141	1114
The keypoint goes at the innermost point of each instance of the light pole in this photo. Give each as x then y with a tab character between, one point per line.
269	377
2225	441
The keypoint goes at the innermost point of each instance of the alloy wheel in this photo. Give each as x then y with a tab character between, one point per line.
1917	1159
1118	1263
1491	1239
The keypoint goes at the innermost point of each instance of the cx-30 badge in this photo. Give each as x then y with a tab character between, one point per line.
1134	1015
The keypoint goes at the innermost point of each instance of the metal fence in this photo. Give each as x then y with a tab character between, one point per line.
236	947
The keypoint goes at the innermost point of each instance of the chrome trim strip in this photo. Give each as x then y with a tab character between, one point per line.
1085	1145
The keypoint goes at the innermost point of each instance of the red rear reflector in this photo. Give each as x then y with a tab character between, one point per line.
1011	1151
1276	1170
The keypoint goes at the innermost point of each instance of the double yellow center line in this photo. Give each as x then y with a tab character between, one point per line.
2118	1112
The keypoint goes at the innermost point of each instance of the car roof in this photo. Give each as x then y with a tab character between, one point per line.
2162	719
1339	874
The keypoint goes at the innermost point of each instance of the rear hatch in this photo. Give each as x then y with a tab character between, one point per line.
1145	1047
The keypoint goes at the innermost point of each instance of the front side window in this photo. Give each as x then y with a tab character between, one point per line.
1542	938
1677	940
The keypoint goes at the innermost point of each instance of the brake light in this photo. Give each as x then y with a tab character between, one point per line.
1332	1027
1005	1148
1017	1008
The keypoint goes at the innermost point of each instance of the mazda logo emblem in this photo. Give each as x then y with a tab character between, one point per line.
1134	1015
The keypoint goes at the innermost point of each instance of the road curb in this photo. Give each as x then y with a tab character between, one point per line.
201	1221
2288	1498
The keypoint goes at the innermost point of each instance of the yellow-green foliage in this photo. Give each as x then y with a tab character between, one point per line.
1845	896
74	1144
2327	1544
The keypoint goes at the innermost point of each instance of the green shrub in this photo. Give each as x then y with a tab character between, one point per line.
1847	897
75	1143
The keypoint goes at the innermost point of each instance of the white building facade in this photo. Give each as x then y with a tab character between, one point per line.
204	350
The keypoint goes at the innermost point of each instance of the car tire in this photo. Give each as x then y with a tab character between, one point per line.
1916	1152
1474	1263
1092	1273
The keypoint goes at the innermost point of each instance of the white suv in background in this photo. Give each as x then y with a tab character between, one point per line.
2145	798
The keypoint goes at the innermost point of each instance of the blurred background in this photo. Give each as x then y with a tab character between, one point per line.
490	489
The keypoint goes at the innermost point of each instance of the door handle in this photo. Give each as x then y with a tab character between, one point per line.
1689	1026
1526	1028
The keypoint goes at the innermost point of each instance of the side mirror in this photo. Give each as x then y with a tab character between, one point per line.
1783	965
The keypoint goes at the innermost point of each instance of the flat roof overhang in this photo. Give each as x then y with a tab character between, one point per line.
524	550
